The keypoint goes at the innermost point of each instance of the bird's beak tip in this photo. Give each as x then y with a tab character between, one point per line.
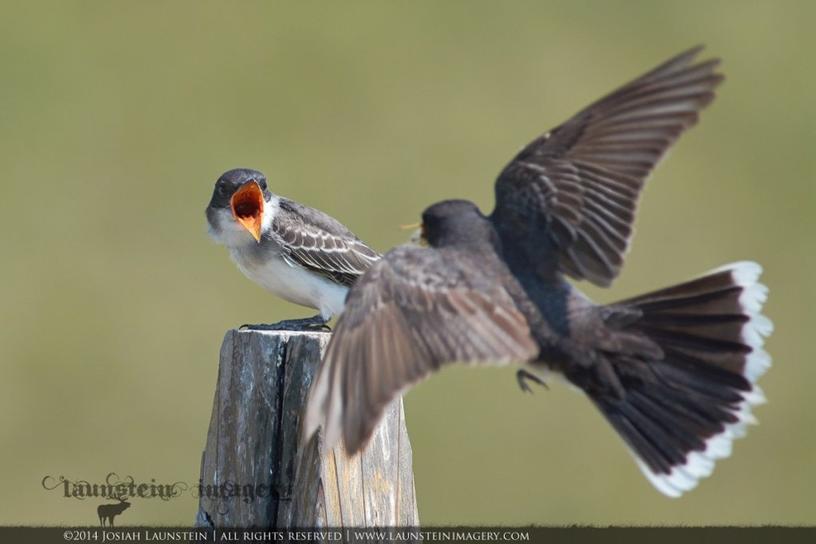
247	205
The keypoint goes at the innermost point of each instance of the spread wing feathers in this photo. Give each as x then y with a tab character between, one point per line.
319	243
580	182
414	311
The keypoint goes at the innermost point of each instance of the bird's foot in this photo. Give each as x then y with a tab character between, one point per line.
315	324
523	376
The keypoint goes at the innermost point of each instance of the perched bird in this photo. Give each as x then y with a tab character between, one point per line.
674	371
298	253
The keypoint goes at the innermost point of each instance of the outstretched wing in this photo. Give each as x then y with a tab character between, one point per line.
320	243
579	183
412	312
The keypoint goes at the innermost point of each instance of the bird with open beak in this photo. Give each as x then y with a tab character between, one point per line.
300	254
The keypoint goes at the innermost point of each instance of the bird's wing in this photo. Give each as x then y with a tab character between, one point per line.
320	243
412	312
579	183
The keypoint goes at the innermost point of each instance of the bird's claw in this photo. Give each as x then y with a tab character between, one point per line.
522	376
315	323
318	327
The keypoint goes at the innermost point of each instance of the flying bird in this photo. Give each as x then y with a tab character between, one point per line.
674	371
298	253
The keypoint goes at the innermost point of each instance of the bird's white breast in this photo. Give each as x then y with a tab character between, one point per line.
293	283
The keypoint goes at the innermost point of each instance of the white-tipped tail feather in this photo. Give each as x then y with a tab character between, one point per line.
712	332
746	274
700	464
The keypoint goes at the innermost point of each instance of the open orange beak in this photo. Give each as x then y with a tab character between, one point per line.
247	206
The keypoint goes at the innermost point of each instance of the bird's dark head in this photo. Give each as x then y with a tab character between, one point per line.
239	199
455	222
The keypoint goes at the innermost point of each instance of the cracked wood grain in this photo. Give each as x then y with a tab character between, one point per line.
256	473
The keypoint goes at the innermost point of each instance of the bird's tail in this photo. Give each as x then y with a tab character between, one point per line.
679	413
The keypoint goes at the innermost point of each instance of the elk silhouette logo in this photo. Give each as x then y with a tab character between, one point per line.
110	511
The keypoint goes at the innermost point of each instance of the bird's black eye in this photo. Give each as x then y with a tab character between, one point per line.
262	183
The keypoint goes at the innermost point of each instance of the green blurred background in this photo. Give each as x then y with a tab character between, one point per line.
116	119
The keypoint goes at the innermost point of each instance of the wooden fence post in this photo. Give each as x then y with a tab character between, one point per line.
254	471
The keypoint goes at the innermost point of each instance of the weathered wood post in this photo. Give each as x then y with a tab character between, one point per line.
255	472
